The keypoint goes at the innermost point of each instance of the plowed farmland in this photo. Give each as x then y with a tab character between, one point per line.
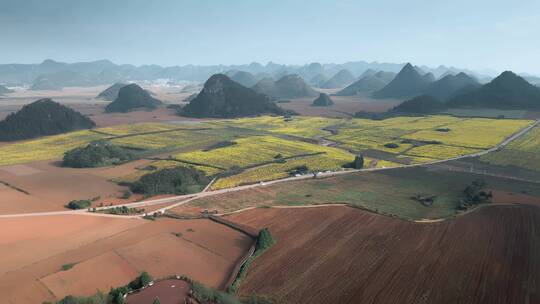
105	252
344	255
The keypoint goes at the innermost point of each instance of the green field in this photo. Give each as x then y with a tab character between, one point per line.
370	190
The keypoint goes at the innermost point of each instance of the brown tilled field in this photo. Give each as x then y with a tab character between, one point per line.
344	255
108	252
49	187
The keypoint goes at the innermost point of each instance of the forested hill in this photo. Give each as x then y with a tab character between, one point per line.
42	117
222	97
132	97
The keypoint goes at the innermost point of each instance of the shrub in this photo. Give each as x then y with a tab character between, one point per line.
442	130
179	180
78	204
67	266
264	240
127	194
474	195
98	298
391	145
358	162
303	169
208	295
97	154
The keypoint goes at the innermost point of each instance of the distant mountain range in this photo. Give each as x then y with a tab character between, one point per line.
244	78
370	81
451	85
111	92
288	86
132	97
413	81
409	82
507	91
223	97
4	90
318	80
339	80
51	74
40	118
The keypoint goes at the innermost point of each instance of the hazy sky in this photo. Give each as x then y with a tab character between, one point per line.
465	33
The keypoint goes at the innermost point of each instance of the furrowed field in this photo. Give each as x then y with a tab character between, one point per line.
251	150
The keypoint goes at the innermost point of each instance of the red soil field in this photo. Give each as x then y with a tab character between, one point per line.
168	292
502	197
344	255
102	272
51	187
35	248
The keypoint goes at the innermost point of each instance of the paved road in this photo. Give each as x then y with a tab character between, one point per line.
183	199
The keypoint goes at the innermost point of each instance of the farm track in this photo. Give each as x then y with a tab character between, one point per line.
183	199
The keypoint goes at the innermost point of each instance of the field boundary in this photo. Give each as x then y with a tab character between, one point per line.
238	266
14	187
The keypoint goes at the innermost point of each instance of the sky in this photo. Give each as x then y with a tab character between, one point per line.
476	34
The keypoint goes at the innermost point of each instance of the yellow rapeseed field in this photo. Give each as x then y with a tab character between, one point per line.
524	152
45	148
258	149
440	151
480	133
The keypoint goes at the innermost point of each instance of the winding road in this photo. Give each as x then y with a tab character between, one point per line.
183	199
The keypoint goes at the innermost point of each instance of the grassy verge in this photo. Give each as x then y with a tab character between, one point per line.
264	242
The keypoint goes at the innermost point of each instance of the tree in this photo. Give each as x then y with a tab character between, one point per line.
119	299
79	204
358	162
265	239
145	278
156	301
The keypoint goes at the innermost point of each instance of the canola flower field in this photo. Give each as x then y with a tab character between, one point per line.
267	147
254	150
523	153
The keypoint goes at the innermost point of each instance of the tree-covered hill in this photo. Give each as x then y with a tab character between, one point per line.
42	117
97	154
111	93
507	91
222	97
409	82
322	101
132	97
288	86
